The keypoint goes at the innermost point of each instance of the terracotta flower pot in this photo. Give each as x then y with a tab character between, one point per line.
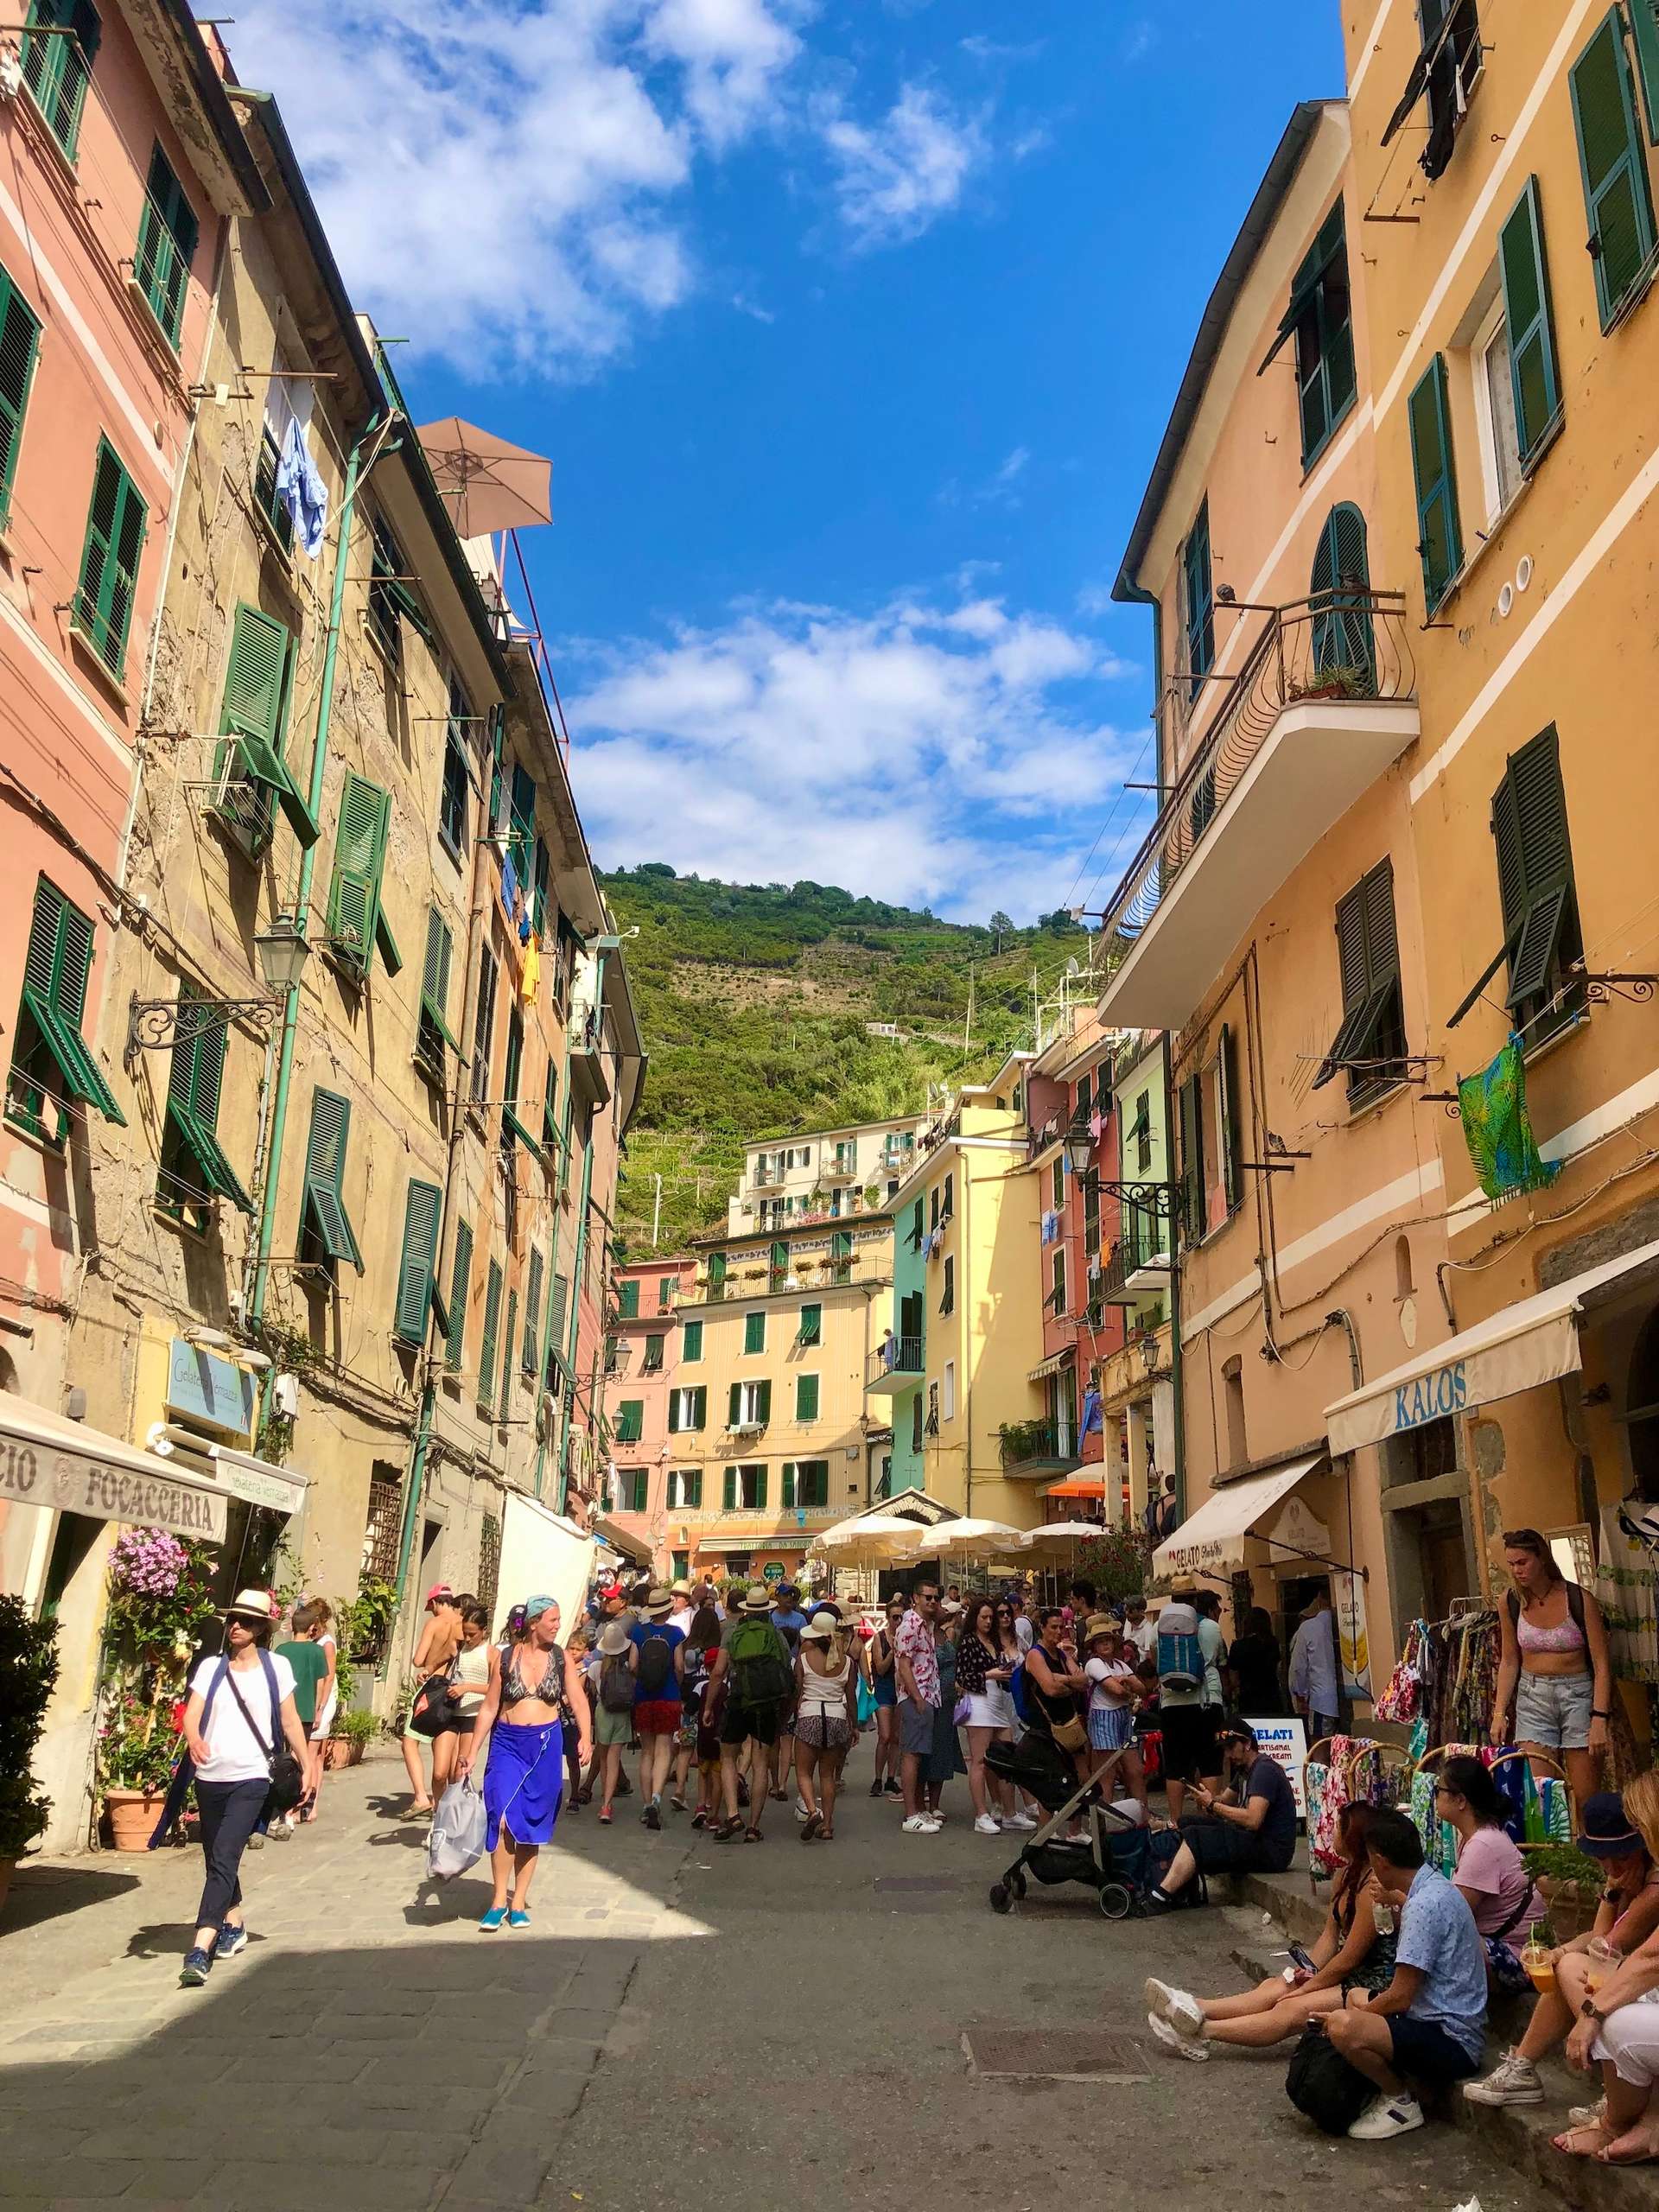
132	1817
337	1752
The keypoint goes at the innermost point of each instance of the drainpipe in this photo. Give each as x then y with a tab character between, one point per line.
308	864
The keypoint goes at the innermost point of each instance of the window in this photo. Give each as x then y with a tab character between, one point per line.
1320	322
631	1483
806	1484
1057	1282
432	1030
948	1393
716	1275
1057	1183
948	1206
1224	1179
168	231
691	1342
811	1328
664	1294
1232	1375
326	1231
56	69
1534	875
629	1420
193	1168
754	1332
487	1350
684	1488
948	1300
1439	541
457	776
688	1409
250	774
1448	62
357	922
521	824
505	1400
806	1397
1529	349
841	1255
484	1024
1614	168
418	1295
1491	377
1192	1131
512	1081
391	603
51	1062
931	1426
1644	26
542	905
915	1227
1085	1106
109	559
1141	1132
558	1308
1198	606
916	1422
531	1359
1345	645
778	1269
627	1297
20	336
1370	1044
653	1362
748	1405
745	1490
460	1283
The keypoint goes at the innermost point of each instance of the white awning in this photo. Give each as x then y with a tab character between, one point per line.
62	1465
259	1482
1534	1341
630	1546
1052	1364
1212	1540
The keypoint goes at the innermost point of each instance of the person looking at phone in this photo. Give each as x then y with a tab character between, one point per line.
1349	1954
1256	1835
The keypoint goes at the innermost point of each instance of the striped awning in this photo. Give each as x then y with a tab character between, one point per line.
1052	1364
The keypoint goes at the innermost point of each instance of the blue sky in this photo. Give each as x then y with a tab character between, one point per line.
851	327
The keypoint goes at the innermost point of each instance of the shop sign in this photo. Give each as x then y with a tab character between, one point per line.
281	1494
772	1571
1348	1595
1442	1391
66	1481
1298	1531
1284	1742
209	1389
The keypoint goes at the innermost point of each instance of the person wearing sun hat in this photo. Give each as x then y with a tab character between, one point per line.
826	1722
1627	1917
657	1705
240	1709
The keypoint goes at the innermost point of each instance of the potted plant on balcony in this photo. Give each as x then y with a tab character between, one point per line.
1021	1439
28	1674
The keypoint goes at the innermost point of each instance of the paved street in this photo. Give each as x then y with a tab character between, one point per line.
746	2025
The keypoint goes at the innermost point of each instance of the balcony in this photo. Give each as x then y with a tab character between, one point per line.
1035	1449
766	1175
896	1158
1139	1265
898	1371
587	1044
1324	703
839	1168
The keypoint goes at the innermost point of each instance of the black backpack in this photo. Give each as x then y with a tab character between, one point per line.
1322	2084
656	1664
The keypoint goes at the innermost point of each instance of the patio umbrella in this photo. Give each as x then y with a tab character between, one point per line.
487	484
971	1538
1060	1537
874	1539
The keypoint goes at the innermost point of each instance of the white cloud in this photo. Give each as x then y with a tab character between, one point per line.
1094	600
947	753
501	184
896	177
752	308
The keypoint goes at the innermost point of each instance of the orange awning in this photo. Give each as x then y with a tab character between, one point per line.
1075	1486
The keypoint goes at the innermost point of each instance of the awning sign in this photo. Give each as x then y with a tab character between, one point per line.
68	1481
256	1487
1285	1742
209	1389
1433	1396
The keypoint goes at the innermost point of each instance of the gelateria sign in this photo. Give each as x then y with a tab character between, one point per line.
39	1466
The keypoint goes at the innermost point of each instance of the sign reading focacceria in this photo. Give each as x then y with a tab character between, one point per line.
71	1481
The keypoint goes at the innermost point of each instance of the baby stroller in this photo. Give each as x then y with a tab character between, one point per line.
1114	1858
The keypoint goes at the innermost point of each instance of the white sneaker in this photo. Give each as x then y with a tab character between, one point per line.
1513	2081
919	1824
1172	2039
986	1826
800	1810
1019	1820
1386	2117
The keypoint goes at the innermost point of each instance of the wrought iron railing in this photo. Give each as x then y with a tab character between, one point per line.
1031	1444
1145	1235
1350	644
903	1356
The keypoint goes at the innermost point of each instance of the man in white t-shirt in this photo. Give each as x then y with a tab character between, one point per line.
1139	1627
682	1611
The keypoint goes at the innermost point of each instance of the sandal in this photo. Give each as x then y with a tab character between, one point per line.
604	1816
1572	2144
585	1795
726	1829
700	1818
826	1833
780	1796
679	1803
752	1835
814	1826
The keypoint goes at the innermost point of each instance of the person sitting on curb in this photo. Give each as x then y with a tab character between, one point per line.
1257	1835
1429	2023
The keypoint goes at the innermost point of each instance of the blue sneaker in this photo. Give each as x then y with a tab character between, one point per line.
198	1965
230	1941
517	1920
494	1919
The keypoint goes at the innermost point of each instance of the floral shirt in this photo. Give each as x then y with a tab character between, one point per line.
914	1641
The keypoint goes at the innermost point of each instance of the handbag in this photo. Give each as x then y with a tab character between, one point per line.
287	1775
427	1709
1069	1735
1503	1967
964	1707
1321	2083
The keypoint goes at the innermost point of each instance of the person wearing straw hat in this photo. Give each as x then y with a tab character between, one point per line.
756	1666
523	1780
826	1720
240	1710
613	1723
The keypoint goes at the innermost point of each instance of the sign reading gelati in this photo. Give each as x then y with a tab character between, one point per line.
69	1481
1443	1390
208	1388
1285	1742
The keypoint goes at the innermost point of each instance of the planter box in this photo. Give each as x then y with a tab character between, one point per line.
132	1815
1572	1908
339	1752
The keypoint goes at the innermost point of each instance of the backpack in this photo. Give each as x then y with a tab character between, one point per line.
1017	1692
1181	1655
616	1685
1322	2083
762	1674
656	1665
1574	1607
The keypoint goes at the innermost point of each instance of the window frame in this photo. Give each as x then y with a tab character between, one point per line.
52	1003
44	14
93	614
1612	306
169	232
194	1172
327	1235
14	412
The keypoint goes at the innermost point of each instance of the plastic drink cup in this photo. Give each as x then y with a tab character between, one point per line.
1382	1915
1540	1972
1604	1959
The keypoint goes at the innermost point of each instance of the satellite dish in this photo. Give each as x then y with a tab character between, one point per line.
1072	969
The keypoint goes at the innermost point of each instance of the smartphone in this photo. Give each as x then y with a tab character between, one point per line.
1299	1958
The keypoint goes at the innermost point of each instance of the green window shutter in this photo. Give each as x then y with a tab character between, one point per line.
193	1081
540	908
57	70
109	559
323	1206
1201	598
693	1489
628	1292
56	967
789	1485
532	1361
460	1286
487	1350
763	1403
716	1273
505	1399
734	1405
754	1332
436	1032
515	1059
811	1324
422	1210
728	1493
484	1024
1611	162
674	1413
1345	641
806	1397
1645	23
759	1489
557	1317
1192	1123
1439	541
700	1406
359	861
258	680
550	1109
20	335
167	233
1232	1155
691	1341
1534	863
1532	331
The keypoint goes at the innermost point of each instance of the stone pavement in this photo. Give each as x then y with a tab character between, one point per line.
687	2021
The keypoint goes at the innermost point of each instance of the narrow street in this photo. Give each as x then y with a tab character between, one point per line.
733	2025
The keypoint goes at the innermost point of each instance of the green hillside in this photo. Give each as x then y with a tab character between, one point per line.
753	1002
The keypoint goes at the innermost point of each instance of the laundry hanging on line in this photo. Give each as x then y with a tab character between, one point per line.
301	490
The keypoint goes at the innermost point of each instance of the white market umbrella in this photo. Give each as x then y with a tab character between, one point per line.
970	1537
876	1540
1060	1537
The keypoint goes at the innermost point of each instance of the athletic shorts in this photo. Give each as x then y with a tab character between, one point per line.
659	1716
744	1724
1108	1726
1423	2051
1192	1737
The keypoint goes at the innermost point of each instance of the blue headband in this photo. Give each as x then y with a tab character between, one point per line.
534	1607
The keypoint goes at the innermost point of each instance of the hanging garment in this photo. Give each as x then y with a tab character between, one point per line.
1498	1130
1625	1583
1093	1416
509	885
1051	1226
529	981
301	490
1094	1126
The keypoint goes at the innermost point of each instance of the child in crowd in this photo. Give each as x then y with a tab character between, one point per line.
313	1682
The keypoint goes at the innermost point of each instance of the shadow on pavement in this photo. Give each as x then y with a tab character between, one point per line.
41	1893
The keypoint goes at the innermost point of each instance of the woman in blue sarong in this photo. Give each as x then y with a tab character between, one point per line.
521	1721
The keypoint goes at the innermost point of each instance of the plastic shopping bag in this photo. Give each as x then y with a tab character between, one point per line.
456	1840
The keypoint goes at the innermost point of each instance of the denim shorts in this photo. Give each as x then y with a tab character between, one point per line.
1553	1711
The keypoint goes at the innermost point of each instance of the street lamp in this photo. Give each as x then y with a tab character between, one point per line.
1078	1146
283	950
158	1025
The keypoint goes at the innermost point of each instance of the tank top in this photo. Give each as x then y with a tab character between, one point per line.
824	1693
470	1677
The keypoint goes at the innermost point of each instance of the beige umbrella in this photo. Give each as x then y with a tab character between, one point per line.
970	1539
873	1539
1060	1537
487	484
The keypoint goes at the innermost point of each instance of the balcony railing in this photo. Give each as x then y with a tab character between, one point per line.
1037	1447
1147	1237
1343	644
767	1177
896	1368
839	1168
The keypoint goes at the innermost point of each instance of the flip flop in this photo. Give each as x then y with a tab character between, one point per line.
1565	2143
814	1826
1650	2156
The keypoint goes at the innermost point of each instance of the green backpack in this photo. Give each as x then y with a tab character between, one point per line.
762	1674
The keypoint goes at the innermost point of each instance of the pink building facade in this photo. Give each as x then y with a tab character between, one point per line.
642	1362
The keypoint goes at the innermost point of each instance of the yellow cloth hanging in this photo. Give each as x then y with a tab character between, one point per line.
530	981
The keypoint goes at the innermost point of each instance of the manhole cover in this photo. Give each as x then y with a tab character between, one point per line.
914	1884
1054	2055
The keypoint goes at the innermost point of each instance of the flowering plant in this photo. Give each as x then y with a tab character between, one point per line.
137	1744
160	1596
